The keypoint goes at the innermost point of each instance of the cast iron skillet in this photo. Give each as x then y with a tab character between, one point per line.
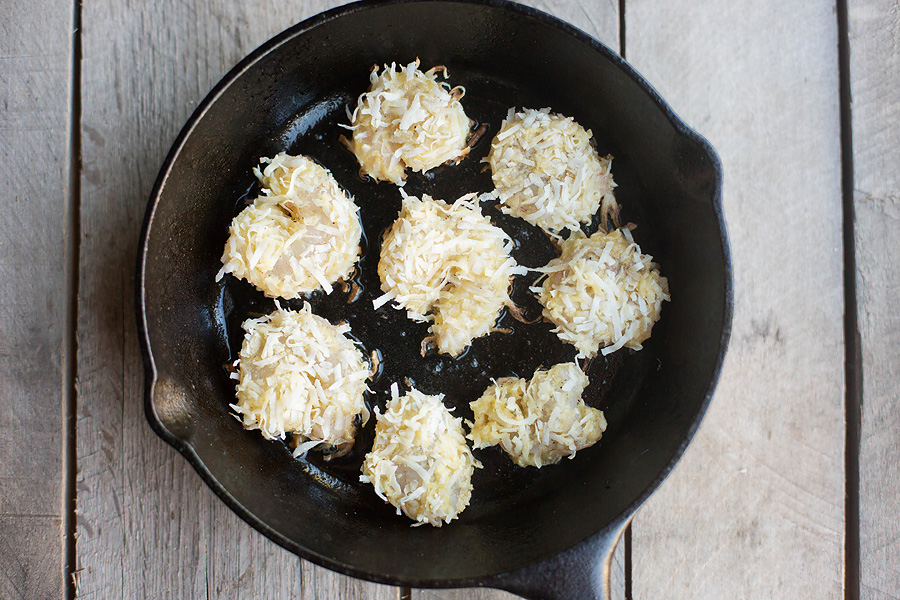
541	534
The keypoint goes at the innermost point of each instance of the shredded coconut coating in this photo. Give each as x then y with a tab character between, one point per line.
301	235
538	422
602	292
420	462
407	119
546	171
447	263
300	374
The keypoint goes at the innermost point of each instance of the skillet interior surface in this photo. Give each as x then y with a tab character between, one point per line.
291	96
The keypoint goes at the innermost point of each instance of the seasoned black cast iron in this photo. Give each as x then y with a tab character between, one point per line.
542	534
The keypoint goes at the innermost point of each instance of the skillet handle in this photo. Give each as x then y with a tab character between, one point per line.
579	573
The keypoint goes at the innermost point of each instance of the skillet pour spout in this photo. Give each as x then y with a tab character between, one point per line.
545	533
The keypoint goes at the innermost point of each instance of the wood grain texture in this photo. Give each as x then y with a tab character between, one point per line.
755	507
874	34
599	18
35	76
147	526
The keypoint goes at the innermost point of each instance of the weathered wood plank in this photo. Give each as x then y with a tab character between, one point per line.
147	526
35	103
599	18
755	508
874	34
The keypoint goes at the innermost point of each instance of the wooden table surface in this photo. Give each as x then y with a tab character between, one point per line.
790	490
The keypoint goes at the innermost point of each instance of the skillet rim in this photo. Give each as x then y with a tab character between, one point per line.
614	527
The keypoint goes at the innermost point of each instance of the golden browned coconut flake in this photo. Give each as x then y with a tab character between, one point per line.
407	119
447	263
300	374
538	422
602	293
546	171
420	462
301	235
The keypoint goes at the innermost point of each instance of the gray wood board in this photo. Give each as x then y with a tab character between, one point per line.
35	102
147	527
874	35
756	506
599	18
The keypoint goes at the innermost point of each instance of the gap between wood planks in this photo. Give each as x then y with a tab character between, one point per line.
852	353
70	343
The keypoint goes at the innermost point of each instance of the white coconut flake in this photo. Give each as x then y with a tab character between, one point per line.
546	171
537	422
407	119
299	374
301	235
448	264
382	300
420	462
601	292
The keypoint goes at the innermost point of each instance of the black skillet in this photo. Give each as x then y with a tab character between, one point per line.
541	534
